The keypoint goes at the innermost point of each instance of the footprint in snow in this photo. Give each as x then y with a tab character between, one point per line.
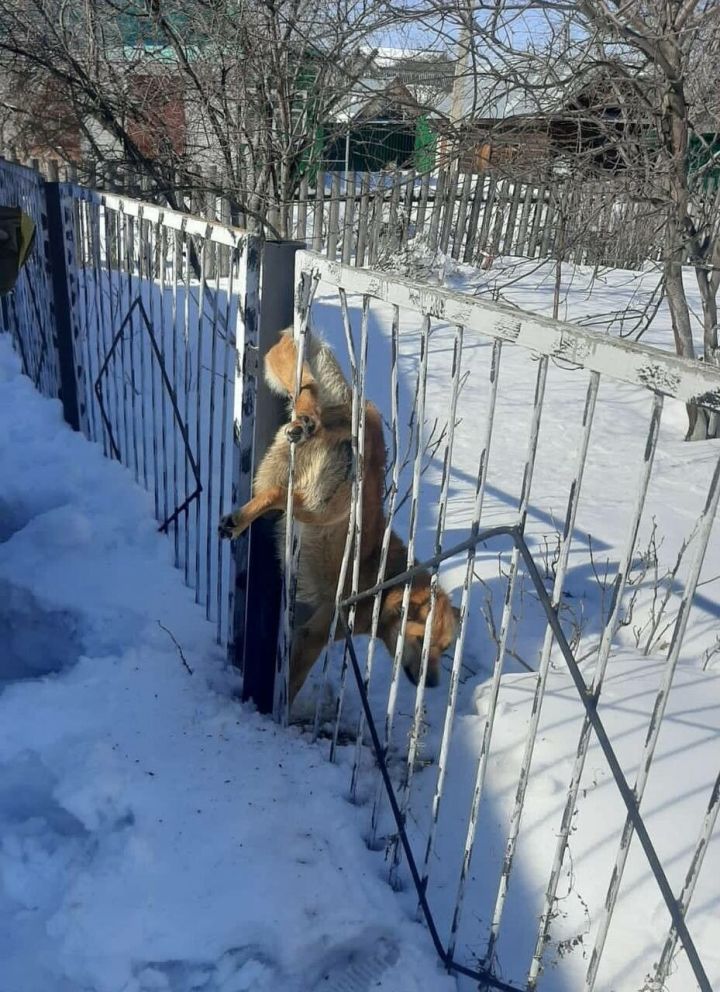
355	966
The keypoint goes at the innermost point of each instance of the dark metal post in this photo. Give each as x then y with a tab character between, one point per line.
255	652
57	238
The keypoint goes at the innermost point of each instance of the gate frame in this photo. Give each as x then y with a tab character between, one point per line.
658	373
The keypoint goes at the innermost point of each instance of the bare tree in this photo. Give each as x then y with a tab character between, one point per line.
186	90
620	91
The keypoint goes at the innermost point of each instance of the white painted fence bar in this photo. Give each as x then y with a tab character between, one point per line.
355	522
434	580
623	361
419	414
187	224
351	530
505	625
462	628
281	701
693	873
391	501
544	667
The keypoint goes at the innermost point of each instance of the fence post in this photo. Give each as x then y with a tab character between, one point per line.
256	646
57	240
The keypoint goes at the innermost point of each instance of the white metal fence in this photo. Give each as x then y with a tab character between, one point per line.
427	328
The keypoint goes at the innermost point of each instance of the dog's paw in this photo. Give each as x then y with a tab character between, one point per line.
300	429
231	526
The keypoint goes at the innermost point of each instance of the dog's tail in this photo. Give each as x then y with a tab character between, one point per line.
321	372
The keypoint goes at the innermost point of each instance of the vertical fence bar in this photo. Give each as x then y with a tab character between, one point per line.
355	523
352	527
226	436
450	203
544	667
522	231
301	225
304	293
502	647
412	531
481	244
200	454
434	583
212	514
535	229
459	230
246	336
481	480
601	666
437	206
334	217
472	228
390	513
422	204
348	223
319	210
702	536
363	220
407	208
663	966
59	243
264	586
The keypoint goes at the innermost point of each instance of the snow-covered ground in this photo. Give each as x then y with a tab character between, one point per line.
155	834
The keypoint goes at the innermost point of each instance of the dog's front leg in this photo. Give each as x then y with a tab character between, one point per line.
234	524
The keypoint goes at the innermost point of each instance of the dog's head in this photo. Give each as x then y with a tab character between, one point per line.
443	632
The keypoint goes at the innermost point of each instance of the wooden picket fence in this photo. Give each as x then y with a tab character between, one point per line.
365	219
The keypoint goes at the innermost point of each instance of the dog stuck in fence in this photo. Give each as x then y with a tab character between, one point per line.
321	430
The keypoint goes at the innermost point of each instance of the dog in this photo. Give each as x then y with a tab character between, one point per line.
321	430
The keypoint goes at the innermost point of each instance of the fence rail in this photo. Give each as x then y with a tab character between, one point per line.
427	328
367	218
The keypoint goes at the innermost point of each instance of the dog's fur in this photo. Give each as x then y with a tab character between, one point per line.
322	433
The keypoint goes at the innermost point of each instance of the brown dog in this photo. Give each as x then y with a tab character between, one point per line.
322	433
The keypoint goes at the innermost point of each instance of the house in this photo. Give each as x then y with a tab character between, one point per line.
515	118
386	119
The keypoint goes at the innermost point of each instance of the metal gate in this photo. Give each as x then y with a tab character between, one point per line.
161	310
416	740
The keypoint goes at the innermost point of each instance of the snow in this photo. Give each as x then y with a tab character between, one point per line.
156	834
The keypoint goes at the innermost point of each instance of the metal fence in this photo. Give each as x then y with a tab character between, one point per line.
164	316
145	322
416	738
27	313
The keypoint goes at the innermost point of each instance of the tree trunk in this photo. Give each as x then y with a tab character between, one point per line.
702	424
708	282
